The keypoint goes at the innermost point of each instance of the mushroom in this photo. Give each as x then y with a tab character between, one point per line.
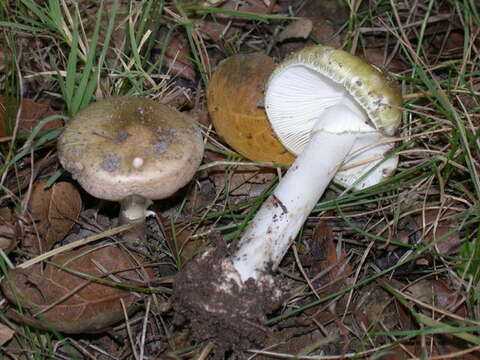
131	150
234	96
332	109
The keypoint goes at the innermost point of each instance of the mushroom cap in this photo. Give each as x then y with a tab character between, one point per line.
316	78
124	146
366	86
234	96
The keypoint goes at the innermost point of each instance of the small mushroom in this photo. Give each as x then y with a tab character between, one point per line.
131	150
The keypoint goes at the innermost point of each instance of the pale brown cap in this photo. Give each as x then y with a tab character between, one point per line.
124	146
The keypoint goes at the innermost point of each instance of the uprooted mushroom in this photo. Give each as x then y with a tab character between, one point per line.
337	113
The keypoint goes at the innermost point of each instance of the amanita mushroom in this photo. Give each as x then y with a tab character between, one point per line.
235	97
131	150
332	109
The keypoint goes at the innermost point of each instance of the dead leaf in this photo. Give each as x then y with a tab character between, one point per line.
437	293
18	180
6	334
327	257
294	340
177	59
72	303
89	18
31	113
327	19
375	306
183	245
377	57
8	230
438	224
242	182
54	211
299	29
226	26
5	56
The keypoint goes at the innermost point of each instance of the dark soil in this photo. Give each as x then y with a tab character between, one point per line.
216	308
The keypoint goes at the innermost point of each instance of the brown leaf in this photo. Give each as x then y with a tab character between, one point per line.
437	225
183	245
252	6
54	211
89	19
72	303
8	230
225	25
299	29
244	181
178	59
327	257
377	57
6	334
438	294
5	56
327	18
292	340
375	306
31	113
20	179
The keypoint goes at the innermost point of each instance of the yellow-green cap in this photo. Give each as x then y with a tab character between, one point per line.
375	92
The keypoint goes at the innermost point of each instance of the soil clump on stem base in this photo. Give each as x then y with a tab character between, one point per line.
219	307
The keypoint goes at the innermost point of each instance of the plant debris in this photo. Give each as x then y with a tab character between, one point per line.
77	291
53	212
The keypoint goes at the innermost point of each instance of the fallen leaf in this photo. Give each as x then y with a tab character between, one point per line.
31	113
244	181
299	29
294	340
177	58
377	57
327	19
89	18
8	230
438	224
327	257
375	307
6	334
437	293
183	245
54	211
224	26
5	56
19	180
72	303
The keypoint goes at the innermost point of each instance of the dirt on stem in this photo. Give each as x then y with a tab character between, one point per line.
209	301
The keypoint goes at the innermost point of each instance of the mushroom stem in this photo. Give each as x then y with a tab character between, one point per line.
133	210
277	223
